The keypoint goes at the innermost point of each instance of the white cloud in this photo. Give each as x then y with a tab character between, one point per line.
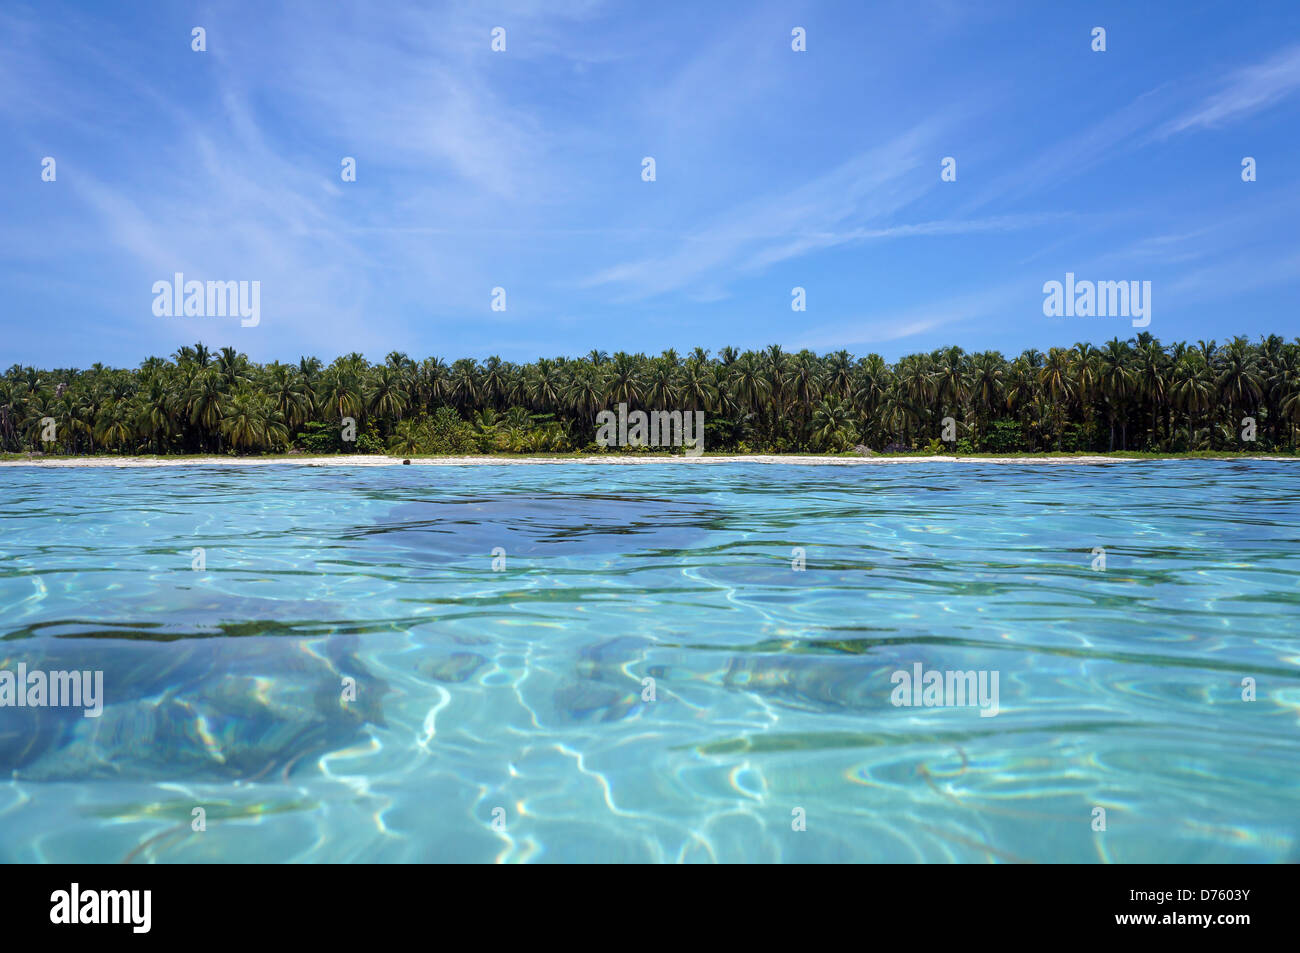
786	224
1248	90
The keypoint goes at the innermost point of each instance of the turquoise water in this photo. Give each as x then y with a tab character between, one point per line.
502	714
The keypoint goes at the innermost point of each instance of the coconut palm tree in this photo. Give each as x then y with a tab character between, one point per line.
493	382
622	381
918	384
1287	388
115	426
406	438
986	388
343	391
749	383
659	387
832	425
1238	381
386	397
698	389
871	380
1149	371
466	383
1116	384
290	395
433	383
585	394
1192	390
205	403
544	386
1056	381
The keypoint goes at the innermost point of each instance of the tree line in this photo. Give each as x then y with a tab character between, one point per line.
1134	394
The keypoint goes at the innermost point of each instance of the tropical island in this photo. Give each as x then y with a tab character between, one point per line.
1133	397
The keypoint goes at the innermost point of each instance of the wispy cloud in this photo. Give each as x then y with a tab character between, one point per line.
785	224
1075	154
1247	91
874	330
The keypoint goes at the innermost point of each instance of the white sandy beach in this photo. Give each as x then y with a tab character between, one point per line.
374	460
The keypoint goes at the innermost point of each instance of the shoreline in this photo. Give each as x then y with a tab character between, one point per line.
377	460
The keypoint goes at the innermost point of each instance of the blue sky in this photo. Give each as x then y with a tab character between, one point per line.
522	169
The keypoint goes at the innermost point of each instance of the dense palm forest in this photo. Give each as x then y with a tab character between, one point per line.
1124	395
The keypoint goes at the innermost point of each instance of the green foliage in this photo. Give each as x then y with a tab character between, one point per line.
518	431
1003	436
369	441
449	434
1126	395
1077	438
439	433
321	438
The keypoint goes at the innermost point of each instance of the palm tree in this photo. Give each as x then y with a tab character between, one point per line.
233	367
544	387
433	383
156	413
897	414
1238	381
114	427
1150	373
243	423
466	385
622	382
487	426
493	382
777	367
205	402
386	397
832	425
838	374
986	388
698	389
1115	381
872	379
918	386
406	438
251	422
290	395
806	385
1192	390
750	385
660	384
343	391
1057	383
585	394
1287	388
952	383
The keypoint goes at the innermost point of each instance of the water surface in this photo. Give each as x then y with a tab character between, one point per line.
499	704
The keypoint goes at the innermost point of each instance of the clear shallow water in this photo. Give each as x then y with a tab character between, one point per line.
521	689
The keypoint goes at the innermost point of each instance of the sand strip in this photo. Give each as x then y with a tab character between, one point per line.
384	461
